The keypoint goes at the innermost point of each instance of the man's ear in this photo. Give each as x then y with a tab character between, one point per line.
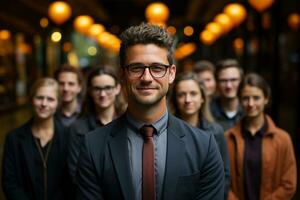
172	74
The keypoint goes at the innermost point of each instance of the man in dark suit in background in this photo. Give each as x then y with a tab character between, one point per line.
182	161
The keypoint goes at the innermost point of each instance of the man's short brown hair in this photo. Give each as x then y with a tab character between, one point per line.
204	65
71	69
228	63
146	33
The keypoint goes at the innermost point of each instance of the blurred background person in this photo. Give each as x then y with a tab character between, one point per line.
34	161
262	158
70	81
102	104
205	71
190	103
226	108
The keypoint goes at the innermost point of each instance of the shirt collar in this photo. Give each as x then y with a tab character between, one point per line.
219	111
76	112
261	132
160	125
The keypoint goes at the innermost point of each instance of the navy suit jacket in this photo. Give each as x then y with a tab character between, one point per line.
194	168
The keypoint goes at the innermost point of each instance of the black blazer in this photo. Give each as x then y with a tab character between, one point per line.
194	168
77	131
22	165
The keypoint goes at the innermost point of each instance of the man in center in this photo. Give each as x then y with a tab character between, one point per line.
147	153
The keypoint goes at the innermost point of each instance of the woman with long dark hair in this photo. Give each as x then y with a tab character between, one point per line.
102	104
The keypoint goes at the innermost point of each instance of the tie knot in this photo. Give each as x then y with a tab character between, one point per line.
147	131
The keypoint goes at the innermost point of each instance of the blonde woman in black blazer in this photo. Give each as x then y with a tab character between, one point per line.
34	163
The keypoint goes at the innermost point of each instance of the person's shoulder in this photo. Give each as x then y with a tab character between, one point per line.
276	131
21	130
181	127
80	124
213	127
18	133
280	134
104	131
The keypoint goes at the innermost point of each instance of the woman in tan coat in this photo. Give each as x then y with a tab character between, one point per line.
262	159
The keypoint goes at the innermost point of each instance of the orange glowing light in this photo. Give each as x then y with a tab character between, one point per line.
224	21
82	23
261	5
59	12
157	12
236	12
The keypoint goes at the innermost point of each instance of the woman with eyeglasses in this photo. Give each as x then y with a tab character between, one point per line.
34	158
102	104
189	102
262	158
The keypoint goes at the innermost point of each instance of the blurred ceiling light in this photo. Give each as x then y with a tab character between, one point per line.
236	12
188	31
67	47
238	45
95	30
115	45
5	34
92	51
266	21
24	48
56	36
224	21
59	12
157	12
109	41
44	22
214	28
82	23
260	5
171	30
103	38
185	50
294	21
73	59
207	37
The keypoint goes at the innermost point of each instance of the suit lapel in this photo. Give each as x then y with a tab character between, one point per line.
175	153
119	150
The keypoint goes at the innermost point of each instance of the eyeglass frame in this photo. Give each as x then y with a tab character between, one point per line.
145	67
107	89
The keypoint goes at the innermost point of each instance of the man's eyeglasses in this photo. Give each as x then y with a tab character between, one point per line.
157	70
108	89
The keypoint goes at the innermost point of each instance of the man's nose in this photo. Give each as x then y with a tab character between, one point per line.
228	83
146	75
65	87
102	93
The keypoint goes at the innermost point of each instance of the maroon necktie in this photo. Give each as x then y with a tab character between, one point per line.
148	170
